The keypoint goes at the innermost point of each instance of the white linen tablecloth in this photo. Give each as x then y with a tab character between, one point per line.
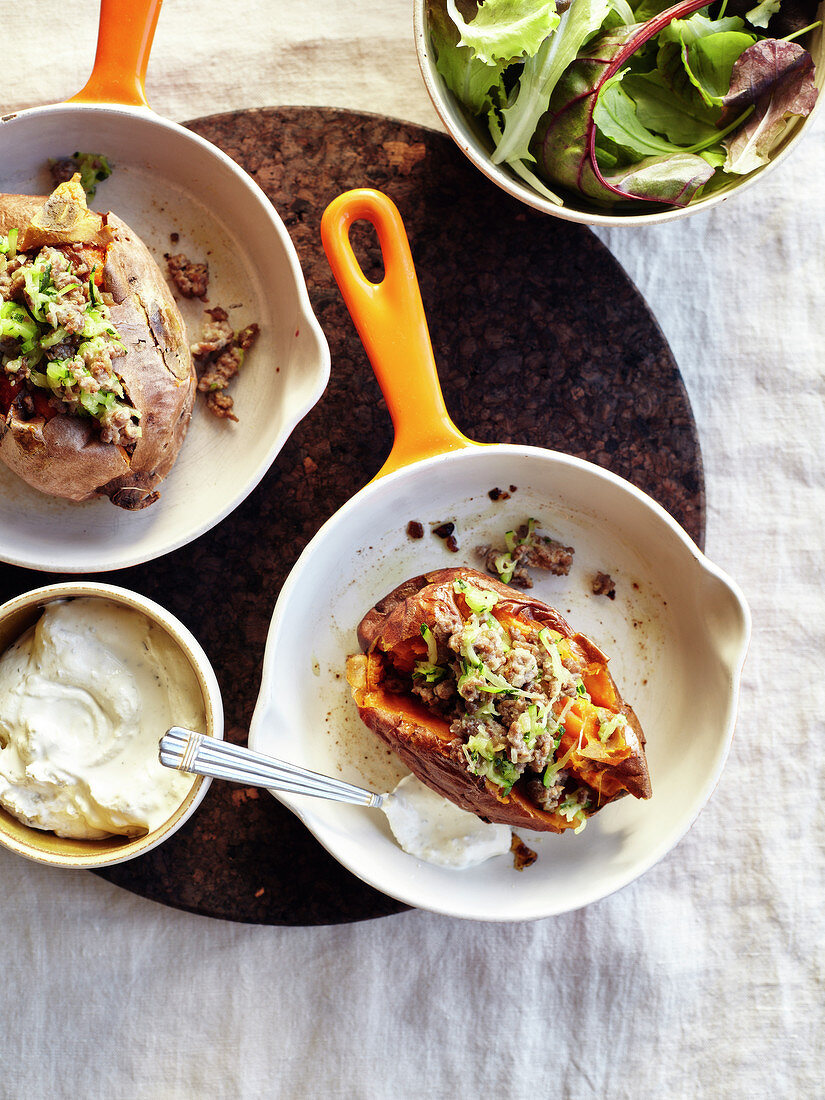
702	979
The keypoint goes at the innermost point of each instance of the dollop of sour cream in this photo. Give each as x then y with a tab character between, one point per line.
85	696
432	828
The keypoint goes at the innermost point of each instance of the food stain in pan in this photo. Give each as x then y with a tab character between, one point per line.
502	494
356	753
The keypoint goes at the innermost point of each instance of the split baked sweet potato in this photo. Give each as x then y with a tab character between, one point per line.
491	699
96	379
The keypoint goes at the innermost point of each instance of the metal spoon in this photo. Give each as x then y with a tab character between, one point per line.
438	832
188	751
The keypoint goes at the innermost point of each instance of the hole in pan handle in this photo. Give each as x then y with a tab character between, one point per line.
389	317
124	41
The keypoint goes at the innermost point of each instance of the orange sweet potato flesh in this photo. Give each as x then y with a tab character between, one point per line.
390	637
62	455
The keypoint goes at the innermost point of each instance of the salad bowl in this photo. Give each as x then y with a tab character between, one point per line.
600	156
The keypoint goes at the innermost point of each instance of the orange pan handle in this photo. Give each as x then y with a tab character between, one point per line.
389	317
124	41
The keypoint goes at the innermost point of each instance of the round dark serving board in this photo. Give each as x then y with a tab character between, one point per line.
540	338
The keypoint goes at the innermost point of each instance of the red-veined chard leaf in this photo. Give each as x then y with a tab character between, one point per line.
565	146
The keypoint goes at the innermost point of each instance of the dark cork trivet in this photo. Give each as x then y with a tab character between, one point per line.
540	338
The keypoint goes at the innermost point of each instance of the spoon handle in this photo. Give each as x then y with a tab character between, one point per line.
188	751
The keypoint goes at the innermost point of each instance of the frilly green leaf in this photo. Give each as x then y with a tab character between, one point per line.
504	30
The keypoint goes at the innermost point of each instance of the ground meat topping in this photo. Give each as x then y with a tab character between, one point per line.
547	798
92	168
59	344
504	697
221	405
247	336
191	279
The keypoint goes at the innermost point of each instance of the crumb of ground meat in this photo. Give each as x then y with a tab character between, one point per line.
218	357
62	170
531	552
603	585
522	855
220	404
439	697
191	279
247	336
217	334
547	798
545	553
444	530
220	372
498	494
520	578
415	530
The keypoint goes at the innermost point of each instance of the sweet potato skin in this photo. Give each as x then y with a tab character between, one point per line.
423	740
63	456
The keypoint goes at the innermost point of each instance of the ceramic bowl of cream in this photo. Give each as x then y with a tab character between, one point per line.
91	676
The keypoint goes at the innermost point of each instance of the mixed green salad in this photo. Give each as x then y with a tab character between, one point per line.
618	103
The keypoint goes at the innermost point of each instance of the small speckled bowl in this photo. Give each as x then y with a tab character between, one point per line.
477	146
16	617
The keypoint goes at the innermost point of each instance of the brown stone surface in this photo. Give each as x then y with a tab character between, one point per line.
540	338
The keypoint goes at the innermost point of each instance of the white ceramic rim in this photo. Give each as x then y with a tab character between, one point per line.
301	574
213	704
512	185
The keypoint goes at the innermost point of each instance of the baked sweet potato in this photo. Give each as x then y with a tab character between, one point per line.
491	699
96	382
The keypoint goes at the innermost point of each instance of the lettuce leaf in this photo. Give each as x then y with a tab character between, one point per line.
761	15
615	101
617	118
777	79
699	52
540	75
471	81
505	30
682	121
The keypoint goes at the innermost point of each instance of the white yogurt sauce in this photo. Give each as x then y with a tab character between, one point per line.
85	696
432	828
